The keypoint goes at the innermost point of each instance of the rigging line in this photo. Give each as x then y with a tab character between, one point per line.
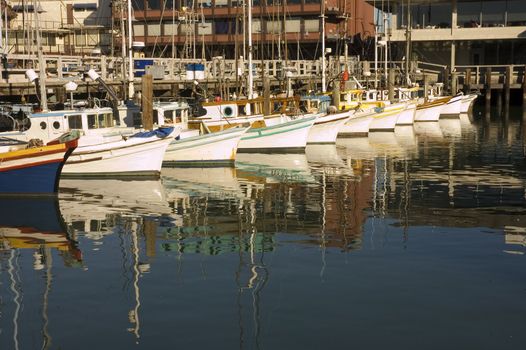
163	8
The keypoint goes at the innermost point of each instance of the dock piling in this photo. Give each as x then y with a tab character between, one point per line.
391	83
147	101
507	84
488	87
467	81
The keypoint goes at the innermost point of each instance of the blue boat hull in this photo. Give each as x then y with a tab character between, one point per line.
40	179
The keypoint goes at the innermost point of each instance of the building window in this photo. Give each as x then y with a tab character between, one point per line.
170	29
154	29
155	4
293	25
84	7
138	5
80	39
274	27
430	15
516	13
493	13
222	27
312	25
138	29
204	28
221	3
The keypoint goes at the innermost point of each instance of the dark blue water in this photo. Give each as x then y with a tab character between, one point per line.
407	240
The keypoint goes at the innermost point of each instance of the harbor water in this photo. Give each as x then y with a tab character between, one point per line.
414	239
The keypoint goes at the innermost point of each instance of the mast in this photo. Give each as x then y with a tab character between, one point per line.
250	81
130	53
386	44
123	43
408	42
375	47
323	73
2	49
41	62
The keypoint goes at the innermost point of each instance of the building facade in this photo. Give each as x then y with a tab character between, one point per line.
457	32
71	27
280	28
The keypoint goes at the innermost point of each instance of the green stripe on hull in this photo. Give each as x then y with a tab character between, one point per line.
260	132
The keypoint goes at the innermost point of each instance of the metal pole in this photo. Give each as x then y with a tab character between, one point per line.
41	62
323	73
250	77
408	42
130	53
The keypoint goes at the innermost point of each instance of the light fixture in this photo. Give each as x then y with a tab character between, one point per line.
93	75
31	75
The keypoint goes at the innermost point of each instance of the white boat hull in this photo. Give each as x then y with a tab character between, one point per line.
133	156
357	125
285	137
325	129
452	108
215	148
407	117
385	121
467	103
428	114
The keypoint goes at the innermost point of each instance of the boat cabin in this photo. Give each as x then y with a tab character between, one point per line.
171	113
315	104
51	125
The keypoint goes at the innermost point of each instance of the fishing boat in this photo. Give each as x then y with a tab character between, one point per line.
217	148
220	115
34	170
452	108
327	125
410	96
430	111
357	125
386	117
105	148
196	147
286	137
407	116
467	102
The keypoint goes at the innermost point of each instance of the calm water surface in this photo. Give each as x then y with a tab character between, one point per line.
407	240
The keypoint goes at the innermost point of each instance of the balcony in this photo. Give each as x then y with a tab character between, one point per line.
448	34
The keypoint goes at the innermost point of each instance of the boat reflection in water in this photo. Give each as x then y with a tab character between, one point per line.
248	254
451	128
326	160
35	222
274	168
31	230
428	130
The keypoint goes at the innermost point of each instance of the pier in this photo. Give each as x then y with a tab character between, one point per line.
225	77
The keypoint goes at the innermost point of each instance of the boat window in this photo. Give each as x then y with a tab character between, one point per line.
92	121
75	121
156	116
108	119
242	110
304	106
43	125
228	111
169	116
101	121
56	125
